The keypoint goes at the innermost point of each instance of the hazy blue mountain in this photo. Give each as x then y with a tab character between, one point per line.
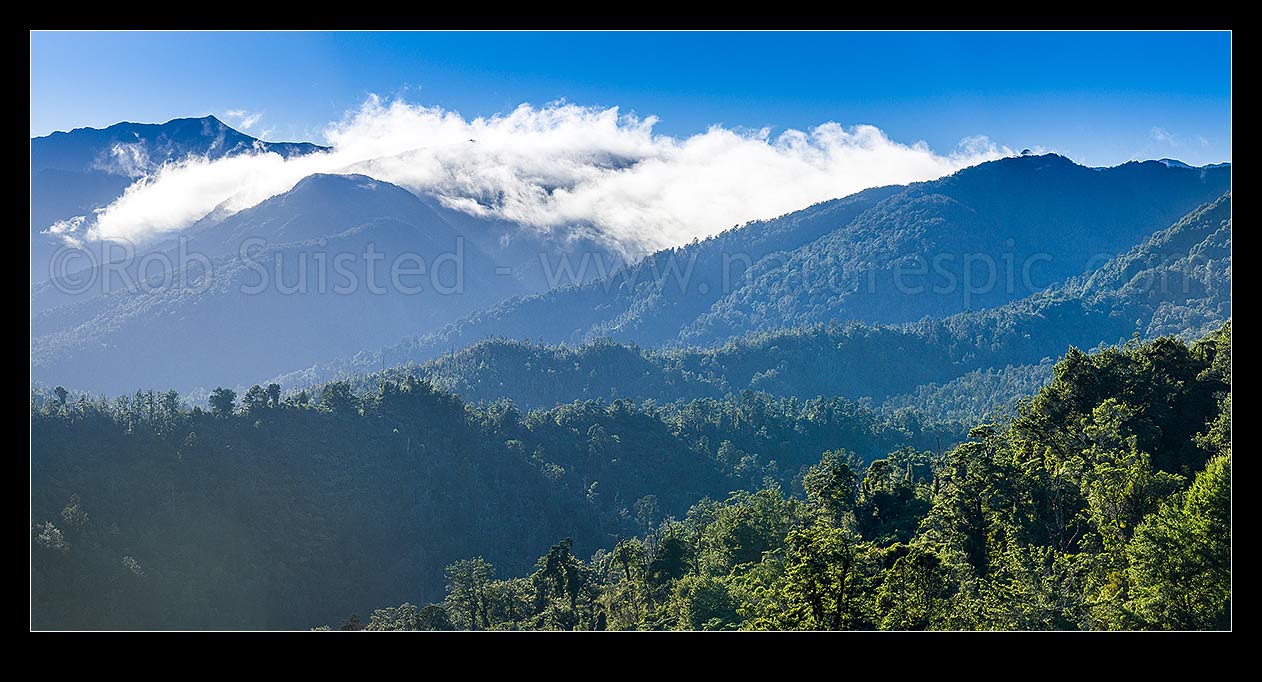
133	148
302	296
318	206
74	172
762	277
838	261
113	337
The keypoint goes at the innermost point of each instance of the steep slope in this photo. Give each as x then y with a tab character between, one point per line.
1177	281
982	237
647	301
1037	220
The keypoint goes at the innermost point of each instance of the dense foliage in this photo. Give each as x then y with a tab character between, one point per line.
1104	504
277	511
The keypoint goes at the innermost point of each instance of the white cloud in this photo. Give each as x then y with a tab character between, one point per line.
68	229
556	166
67	226
242	119
127	158
1163	136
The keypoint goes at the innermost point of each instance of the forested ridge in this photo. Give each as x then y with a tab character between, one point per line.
963	367
839	261
278	511
1104	504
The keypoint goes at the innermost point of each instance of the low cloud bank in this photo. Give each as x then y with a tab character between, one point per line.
553	167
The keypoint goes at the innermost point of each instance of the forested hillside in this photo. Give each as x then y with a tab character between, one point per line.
1176	281
982	237
280	512
1104	504
1019	225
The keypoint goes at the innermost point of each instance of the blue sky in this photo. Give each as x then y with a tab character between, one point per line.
1100	98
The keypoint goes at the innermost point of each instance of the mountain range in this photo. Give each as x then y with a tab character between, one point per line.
1175	282
75	172
931	272
313	282
1070	224
839	261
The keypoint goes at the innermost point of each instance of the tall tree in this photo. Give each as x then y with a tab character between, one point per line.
1181	557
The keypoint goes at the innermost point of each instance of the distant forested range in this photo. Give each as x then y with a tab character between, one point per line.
965	367
1093	256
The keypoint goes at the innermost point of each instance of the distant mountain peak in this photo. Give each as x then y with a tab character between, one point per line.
96	149
319	205
131	126
1024	160
1175	163
337	188
357	180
